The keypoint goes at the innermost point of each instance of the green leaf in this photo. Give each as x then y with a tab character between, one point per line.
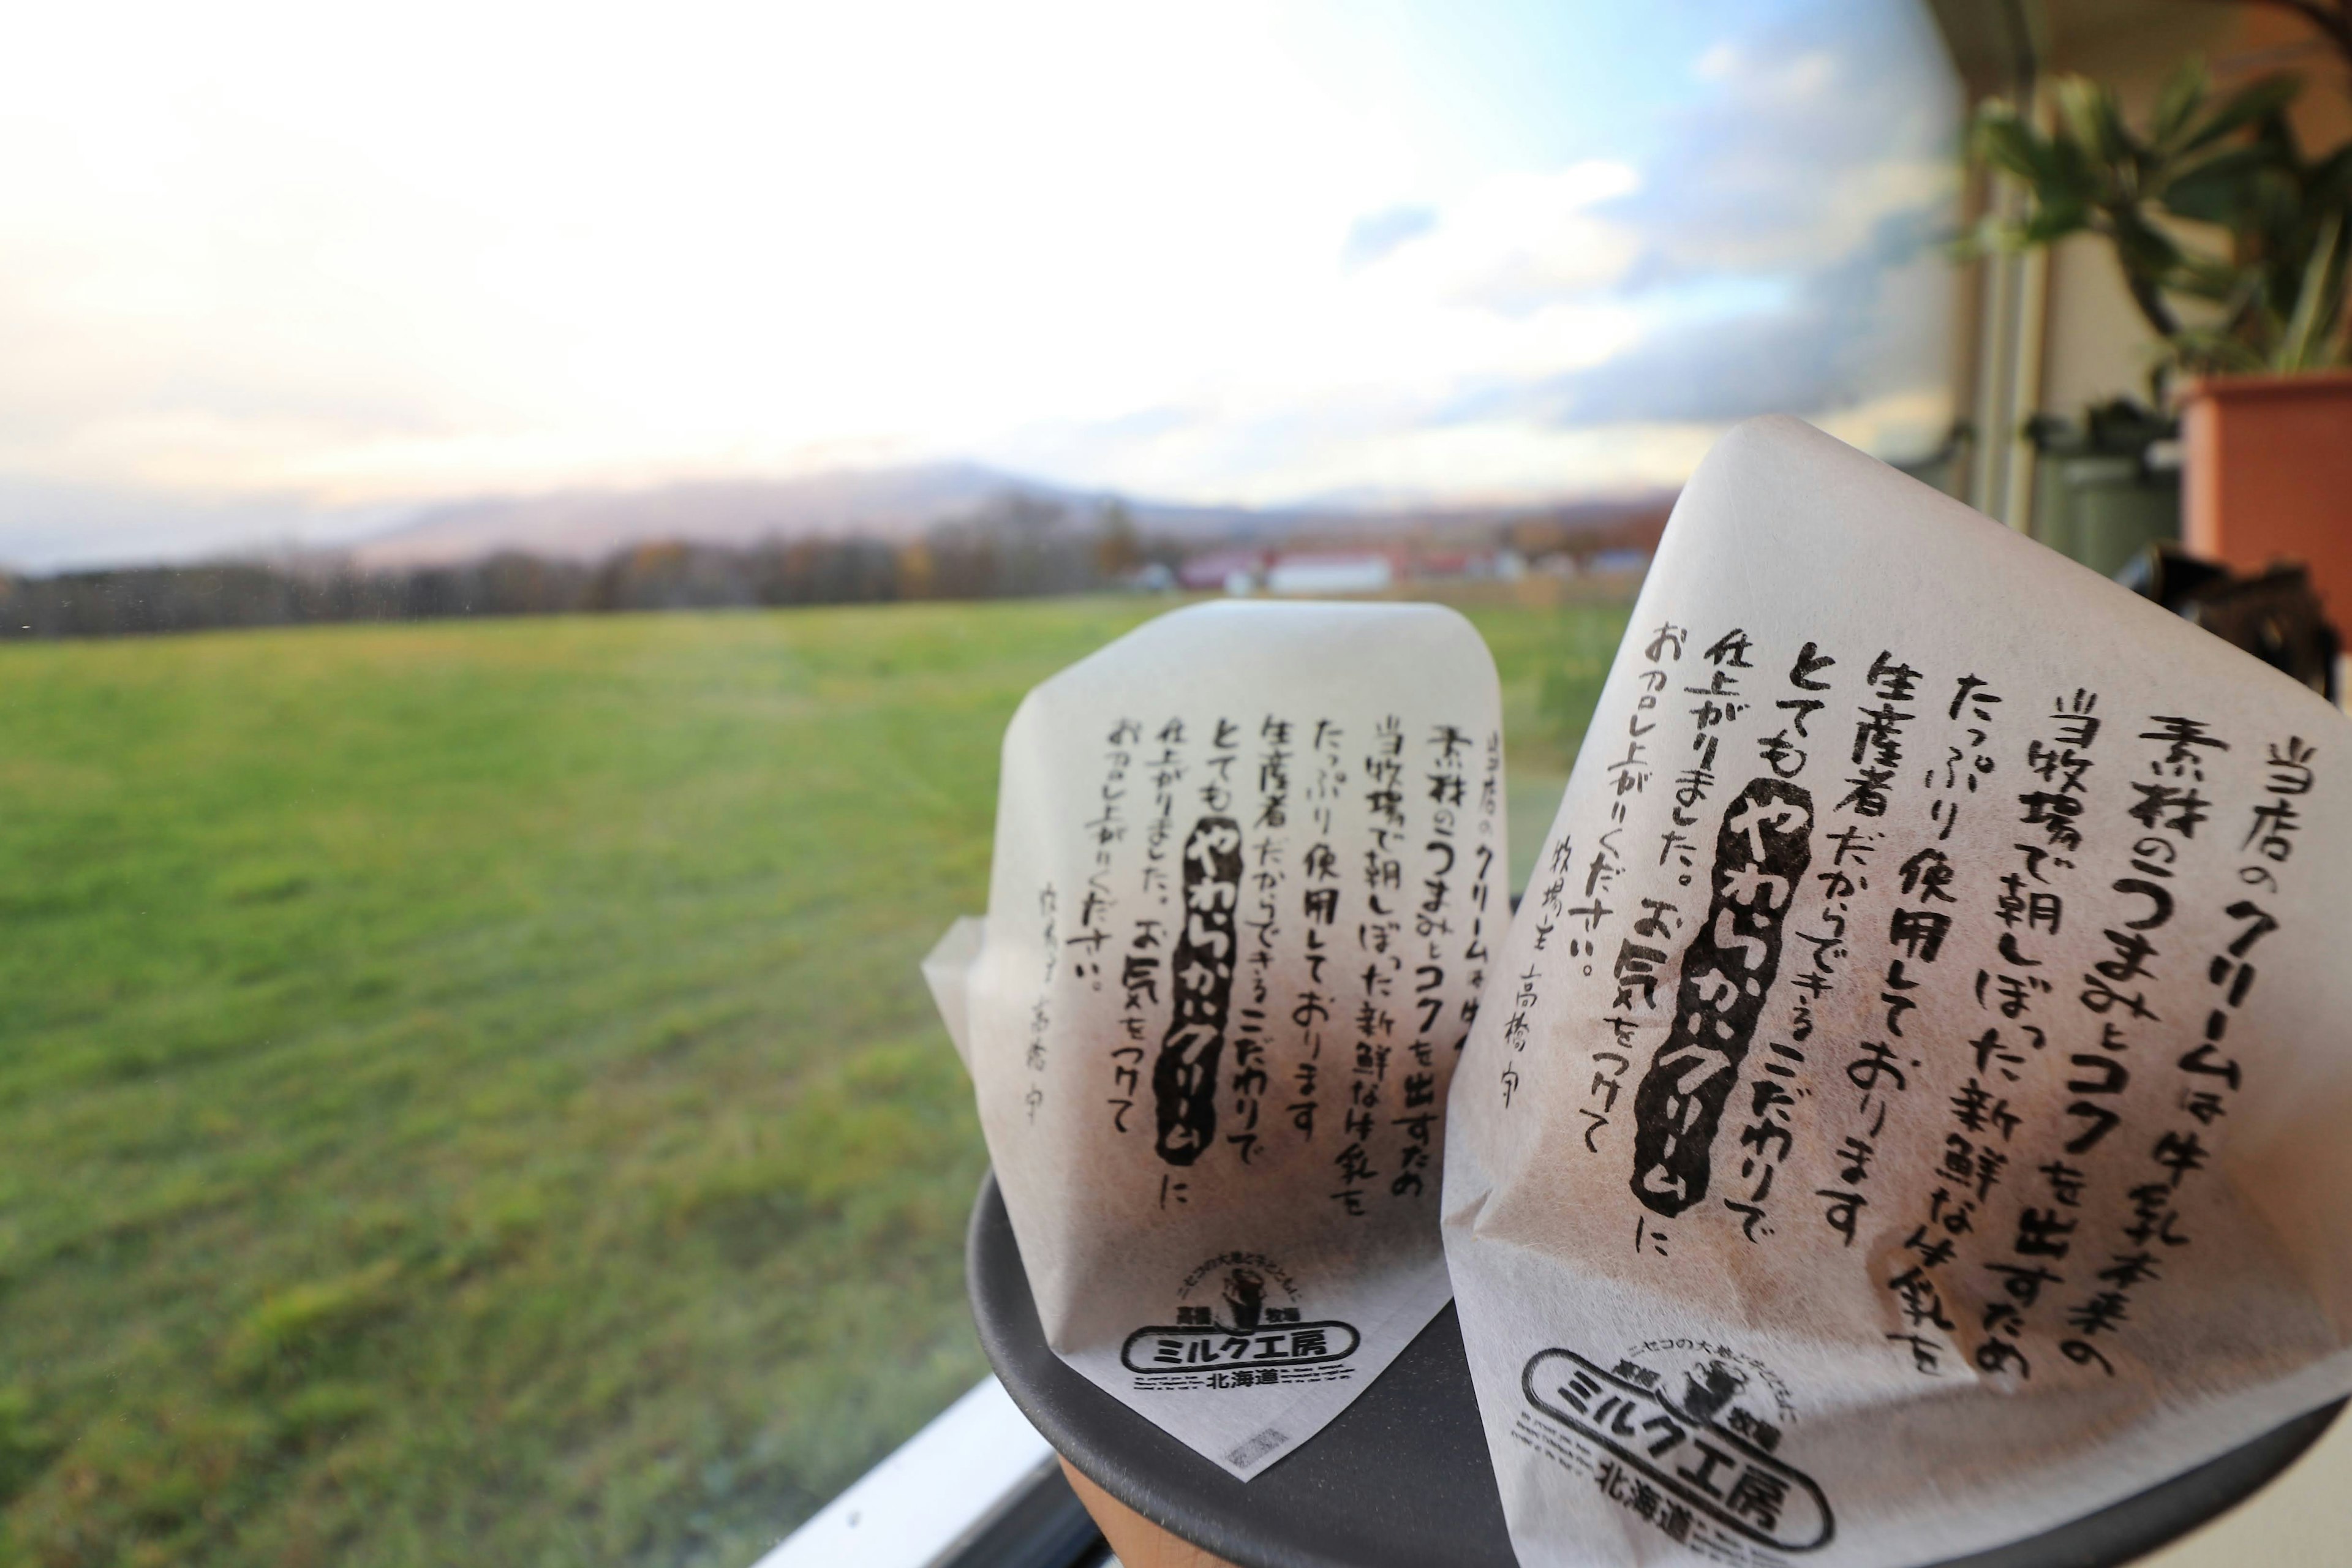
2048	224
2209	350
2094	121
2327	184
2010	144
2177	102
2074	170
2256	100
2233	293
2205	277
2310	326
2216	190
2144	247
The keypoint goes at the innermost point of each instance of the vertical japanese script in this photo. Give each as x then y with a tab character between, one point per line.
1760	855
1185	1074
1269	927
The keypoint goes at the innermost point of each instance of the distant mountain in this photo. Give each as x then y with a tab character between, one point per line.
902	504
878	503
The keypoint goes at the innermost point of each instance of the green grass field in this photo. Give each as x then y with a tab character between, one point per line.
465	1094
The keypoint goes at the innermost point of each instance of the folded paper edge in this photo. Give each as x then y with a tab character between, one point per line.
947	970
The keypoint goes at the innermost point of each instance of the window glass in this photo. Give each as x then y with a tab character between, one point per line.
520	530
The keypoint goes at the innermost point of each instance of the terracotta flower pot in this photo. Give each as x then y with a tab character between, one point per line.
2269	476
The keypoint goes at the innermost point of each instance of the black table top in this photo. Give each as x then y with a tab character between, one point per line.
1402	1477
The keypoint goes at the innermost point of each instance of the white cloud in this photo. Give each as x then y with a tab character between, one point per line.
273	255
1514	243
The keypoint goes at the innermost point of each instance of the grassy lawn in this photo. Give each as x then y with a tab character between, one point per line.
466	1095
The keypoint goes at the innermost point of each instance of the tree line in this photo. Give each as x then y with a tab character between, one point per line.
1017	548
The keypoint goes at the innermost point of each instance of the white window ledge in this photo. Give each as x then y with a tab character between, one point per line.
942	1489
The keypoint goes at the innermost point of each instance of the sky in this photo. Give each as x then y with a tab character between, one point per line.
276	273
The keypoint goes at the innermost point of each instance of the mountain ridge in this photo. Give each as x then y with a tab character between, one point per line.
892	504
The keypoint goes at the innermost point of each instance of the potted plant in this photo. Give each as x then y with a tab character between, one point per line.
2233	243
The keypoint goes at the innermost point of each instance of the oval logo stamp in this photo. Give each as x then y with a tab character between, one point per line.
1680	1442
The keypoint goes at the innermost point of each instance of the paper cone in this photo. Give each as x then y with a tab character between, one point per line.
1250	866
1908	1113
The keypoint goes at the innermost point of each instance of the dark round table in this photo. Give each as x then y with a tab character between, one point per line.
1402	1479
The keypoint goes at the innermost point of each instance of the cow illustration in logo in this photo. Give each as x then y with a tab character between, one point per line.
1239	1323
1708	1387
1246	1298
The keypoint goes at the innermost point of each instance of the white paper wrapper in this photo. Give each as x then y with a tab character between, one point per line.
1250	866
1909	1113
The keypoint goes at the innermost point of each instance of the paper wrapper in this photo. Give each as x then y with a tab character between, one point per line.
1250	866
1910	1113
